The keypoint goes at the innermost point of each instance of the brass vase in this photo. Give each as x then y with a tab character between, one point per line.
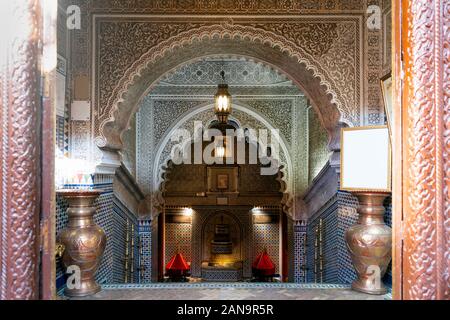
369	242
84	240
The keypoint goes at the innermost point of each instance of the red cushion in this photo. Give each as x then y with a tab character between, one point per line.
263	264
177	263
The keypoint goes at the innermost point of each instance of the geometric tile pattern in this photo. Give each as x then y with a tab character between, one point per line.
105	219
388	220
325	269
233	291
61	222
216	285
267	236
222	275
154	249
299	251
337	216
122	216
145	258
178	238
290	249
62	135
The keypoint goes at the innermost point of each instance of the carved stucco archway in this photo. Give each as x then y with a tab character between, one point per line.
222	39
162	158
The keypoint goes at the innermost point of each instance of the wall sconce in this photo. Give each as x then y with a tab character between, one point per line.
256	211
188	212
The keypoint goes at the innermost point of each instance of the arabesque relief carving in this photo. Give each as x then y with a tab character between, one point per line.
427	167
333	65
229	6
20	154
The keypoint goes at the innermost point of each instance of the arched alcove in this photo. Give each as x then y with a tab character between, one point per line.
162	158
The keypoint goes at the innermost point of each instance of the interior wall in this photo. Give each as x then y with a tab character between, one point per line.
325	231
187	186
129	151
267	236
318	153
76	137
367	102
104	218
178	239
255	87
64	74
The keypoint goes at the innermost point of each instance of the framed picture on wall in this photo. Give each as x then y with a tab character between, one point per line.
222	179
386	88
366	159
222	182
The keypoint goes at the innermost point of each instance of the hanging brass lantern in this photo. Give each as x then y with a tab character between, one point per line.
222	106
220	152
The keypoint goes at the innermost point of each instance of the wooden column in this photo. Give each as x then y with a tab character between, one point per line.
422	149
20	148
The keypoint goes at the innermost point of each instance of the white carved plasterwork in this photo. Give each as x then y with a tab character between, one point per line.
165	112
209	91
238	72
374	63
148	169
255	7
300	145
278	111
331	12
80	139
336	58
160	114
145	144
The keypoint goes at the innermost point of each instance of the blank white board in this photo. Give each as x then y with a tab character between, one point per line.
366	159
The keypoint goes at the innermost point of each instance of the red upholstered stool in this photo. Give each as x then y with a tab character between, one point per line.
263	268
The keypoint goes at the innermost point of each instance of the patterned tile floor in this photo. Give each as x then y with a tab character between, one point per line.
231	291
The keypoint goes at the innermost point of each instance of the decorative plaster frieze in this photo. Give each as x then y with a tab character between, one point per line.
118	74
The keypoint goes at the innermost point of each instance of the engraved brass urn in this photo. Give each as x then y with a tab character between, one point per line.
369	242
84	241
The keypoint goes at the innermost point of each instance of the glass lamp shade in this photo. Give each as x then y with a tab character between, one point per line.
222	106
220	152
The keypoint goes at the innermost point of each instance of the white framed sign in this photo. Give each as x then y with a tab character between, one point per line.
366	159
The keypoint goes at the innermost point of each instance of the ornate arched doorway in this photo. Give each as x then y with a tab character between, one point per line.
269	48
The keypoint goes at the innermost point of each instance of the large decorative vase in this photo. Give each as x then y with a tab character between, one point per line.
84	241
369	242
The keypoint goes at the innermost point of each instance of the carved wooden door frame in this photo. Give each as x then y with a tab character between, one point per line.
27	214
421	143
